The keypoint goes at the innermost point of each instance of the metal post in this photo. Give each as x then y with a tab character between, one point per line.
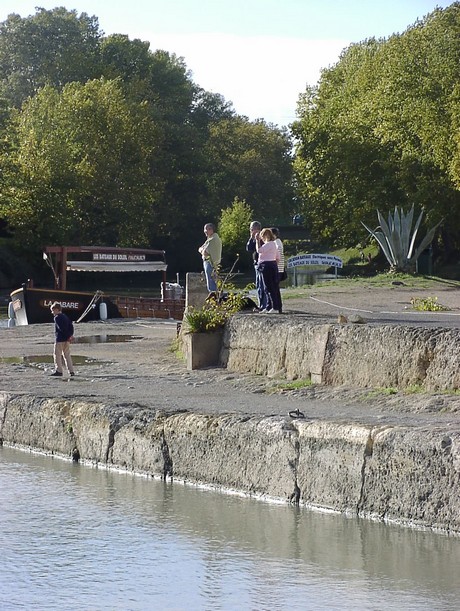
63	270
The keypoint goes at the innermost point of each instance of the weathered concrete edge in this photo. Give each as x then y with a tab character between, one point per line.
399	474
365	355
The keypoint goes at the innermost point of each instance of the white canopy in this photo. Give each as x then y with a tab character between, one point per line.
116	266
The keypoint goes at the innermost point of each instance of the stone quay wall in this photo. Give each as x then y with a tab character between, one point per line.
360	355
396	470
410	475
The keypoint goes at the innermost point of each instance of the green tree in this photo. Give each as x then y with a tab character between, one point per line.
52	47
177	109
155	157
233	230
80	168
380	131
250	161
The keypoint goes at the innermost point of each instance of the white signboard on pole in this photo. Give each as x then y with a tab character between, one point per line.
315	259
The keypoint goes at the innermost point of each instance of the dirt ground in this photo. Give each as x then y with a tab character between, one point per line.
388	304
133	362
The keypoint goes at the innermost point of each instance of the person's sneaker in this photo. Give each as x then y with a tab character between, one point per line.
56	374
272	311
72	373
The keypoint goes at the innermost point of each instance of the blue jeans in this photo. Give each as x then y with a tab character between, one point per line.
270	275
261	289
210	276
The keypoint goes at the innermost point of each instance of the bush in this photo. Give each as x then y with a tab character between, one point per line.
219	306
233	228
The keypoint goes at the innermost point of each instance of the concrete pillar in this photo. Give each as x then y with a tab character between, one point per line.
196	290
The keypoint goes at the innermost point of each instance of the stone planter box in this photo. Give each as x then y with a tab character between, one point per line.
203	349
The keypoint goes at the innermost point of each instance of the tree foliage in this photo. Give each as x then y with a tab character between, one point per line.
250	161
233	228
382	130
108	141
81	168
49	48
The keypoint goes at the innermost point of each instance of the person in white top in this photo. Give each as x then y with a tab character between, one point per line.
281	262
268	266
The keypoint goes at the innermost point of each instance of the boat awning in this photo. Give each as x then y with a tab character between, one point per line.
116	266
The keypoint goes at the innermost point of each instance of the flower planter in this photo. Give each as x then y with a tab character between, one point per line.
203	349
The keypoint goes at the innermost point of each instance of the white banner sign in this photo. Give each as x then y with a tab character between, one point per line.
311	259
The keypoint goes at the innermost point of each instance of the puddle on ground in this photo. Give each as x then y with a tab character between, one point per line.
41	361
105	339
46	359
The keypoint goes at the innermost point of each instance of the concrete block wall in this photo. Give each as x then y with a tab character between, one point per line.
353	354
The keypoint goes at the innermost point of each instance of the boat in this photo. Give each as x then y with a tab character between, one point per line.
31	305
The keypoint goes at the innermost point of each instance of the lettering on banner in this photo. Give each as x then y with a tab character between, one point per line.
314	259
117	257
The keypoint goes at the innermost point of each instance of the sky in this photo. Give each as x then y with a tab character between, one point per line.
259	54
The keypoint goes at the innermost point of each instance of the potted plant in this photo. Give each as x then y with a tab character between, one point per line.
204	327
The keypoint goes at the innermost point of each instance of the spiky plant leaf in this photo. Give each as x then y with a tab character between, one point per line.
382	242
395	240
397	222
406	227
387	232
414	235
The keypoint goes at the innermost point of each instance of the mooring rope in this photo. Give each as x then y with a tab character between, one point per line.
335	305
94	300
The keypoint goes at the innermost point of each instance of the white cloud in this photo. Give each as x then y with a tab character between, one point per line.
263	76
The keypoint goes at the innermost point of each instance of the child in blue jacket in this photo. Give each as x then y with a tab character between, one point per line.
63	327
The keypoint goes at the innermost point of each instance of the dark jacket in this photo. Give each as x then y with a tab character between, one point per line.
251	247
63	327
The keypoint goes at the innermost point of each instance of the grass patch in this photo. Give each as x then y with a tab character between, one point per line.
386	279
176	348
428	304
294	385
352	256
383	280
381	392
414	389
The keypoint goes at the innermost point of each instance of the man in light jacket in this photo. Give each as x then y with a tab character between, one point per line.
211	253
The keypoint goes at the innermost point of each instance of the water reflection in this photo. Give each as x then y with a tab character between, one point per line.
104	338
76	536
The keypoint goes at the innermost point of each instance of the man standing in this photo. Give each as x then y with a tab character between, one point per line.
251	246
63	328
211	252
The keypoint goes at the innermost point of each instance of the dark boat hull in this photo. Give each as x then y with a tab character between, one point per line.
32	306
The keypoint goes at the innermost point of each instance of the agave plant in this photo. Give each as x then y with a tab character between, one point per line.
395	239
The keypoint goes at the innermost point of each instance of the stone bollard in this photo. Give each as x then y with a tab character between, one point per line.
196	290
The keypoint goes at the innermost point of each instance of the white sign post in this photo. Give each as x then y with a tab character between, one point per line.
314	259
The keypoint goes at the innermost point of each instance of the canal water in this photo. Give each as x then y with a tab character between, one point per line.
79	537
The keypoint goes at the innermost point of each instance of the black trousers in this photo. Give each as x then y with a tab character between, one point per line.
269	270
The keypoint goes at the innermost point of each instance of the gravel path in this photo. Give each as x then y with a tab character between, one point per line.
132	362
391	304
